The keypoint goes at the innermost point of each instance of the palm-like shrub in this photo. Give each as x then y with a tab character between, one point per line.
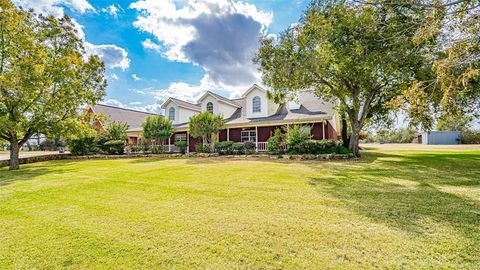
157	128
204	125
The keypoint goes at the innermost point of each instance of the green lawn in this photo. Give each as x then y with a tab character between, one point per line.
392	210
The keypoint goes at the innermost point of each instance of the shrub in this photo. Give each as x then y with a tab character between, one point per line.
156	149
238	148
224	148
115	147
470	137
136	148
342	150
297	135
182	146
249	147
83	146
201	148
276	142
317	147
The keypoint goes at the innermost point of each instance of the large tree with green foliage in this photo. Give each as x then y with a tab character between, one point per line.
454	90
360	56
44	76
158	128
204	125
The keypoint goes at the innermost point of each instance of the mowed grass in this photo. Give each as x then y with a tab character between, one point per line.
391	210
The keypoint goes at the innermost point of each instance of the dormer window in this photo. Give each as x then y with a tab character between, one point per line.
210	107
256	104
171	113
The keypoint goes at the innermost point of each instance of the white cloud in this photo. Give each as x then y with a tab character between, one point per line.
114	77
151	108
112	55
192	93
150	45
221	36
55	7
113	10
135	77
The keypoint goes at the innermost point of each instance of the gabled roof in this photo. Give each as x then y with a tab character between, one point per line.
181	103
311	108
133	118
254	86
219	98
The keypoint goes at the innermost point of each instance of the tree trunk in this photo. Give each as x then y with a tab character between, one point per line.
353	144
345	138
14	155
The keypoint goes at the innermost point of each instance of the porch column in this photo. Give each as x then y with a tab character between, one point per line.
169	144
188	143
228	134
323	129
256	139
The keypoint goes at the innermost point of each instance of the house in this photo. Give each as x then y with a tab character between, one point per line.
133	118
439	137
253	117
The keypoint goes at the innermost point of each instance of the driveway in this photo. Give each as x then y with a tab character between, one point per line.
5	155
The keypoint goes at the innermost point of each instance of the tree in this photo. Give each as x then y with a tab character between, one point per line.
158	128
45	76
456	122
359	56
204	125
116	130
454	88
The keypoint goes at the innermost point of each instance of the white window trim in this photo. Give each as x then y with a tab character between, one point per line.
209	103
248	135
170	116
259	104
180	137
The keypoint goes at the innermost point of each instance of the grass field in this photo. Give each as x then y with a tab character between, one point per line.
391	210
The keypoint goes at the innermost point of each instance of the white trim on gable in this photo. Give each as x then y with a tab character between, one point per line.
208	93
173	100
254	86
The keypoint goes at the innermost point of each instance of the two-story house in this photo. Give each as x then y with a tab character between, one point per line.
253	117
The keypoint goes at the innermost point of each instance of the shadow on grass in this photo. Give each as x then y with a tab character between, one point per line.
31	171
406	191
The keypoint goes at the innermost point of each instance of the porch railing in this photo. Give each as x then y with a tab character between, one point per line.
262	146
170	148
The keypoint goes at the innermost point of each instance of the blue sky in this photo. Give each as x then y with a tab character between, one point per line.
159	48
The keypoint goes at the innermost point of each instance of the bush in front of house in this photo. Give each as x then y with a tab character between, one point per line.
83	146
276	142
224	148
238	148
201	148
249	147
316	147
114	147
296	137
182	146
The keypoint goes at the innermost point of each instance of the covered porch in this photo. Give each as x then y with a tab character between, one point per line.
257	134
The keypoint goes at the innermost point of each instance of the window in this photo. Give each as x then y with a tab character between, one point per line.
249	136
256	106
171	113
182	137
210	107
